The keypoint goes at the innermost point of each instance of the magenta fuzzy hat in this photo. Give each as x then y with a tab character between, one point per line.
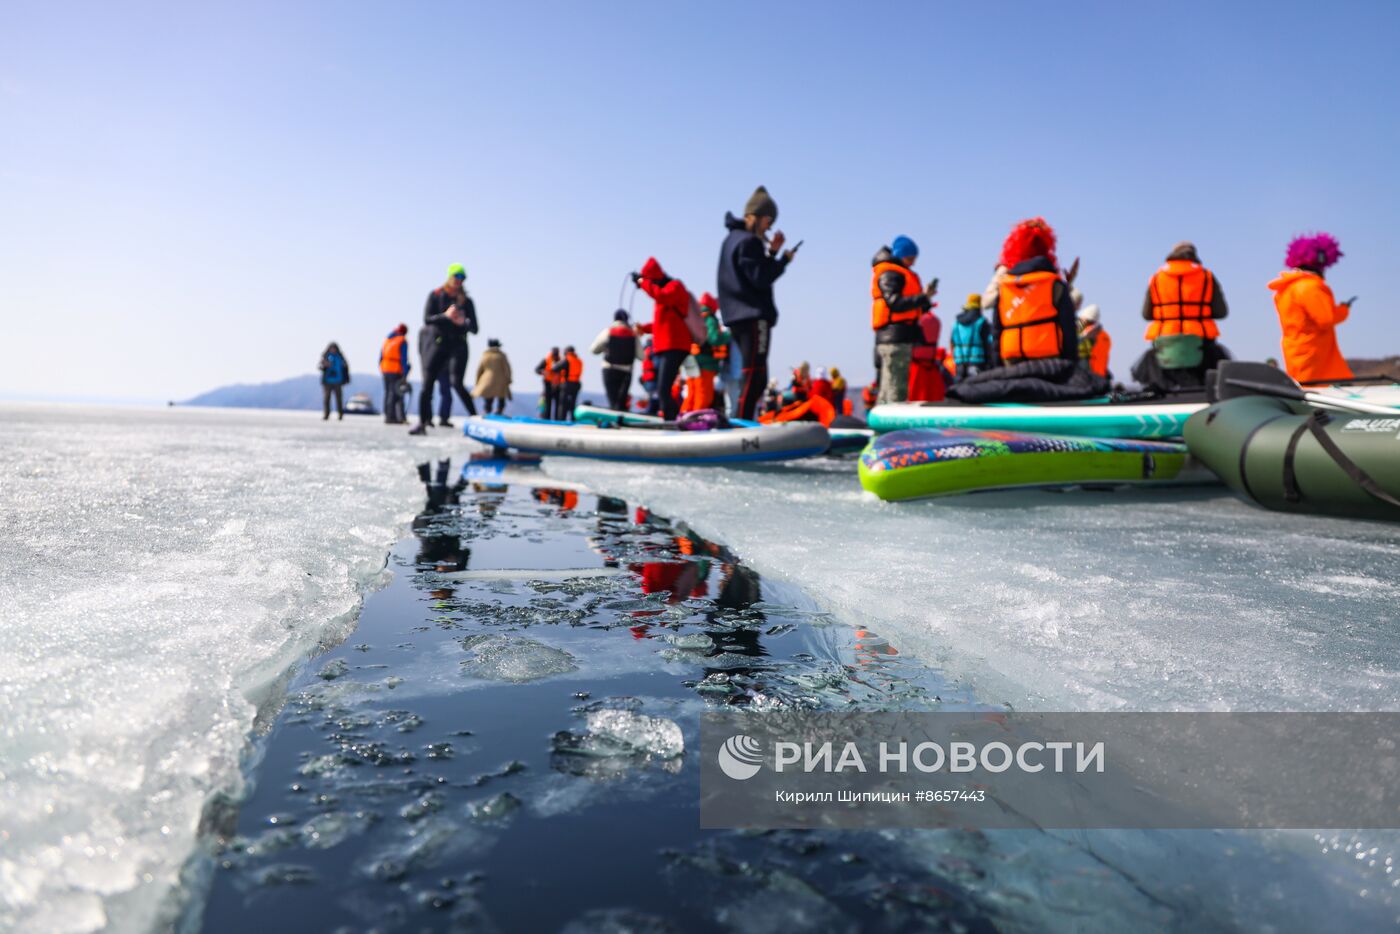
1317	251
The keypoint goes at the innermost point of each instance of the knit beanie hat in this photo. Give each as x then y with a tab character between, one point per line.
1089	313
620	315
761	204
903	247
974	300
1184	250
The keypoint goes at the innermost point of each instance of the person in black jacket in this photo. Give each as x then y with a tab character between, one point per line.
449	316
749	264
618	345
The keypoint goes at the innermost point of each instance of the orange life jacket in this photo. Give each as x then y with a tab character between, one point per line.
391	356
880	314
1030	327
575	373
1180	293
550	376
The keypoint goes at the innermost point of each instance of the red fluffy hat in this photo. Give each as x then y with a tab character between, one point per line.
1027	240
709	301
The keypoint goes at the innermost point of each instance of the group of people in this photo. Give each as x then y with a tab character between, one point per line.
1030	335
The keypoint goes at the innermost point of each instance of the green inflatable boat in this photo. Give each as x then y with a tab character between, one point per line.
1288	456
921	462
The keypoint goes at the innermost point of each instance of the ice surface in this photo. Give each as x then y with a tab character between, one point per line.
1150	600
160	571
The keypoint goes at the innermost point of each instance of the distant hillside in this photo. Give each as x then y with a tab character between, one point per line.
304	392
1386	366
299	392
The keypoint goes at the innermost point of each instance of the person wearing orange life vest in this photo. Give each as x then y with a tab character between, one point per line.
394	366
1094	342
1032	311
897	300
548	371
1309	313
569	377
1184	301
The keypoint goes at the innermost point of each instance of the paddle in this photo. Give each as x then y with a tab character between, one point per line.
1239	378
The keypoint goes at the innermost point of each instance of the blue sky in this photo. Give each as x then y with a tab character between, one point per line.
199	194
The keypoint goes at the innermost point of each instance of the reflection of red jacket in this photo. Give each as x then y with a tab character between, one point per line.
678	578
668	327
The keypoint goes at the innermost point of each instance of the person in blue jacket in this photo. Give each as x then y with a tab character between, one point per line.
971	338
335	373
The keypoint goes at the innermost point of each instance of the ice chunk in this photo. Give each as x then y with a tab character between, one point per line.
513	658
160	571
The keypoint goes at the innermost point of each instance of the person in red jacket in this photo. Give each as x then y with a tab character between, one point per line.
821	387
670	337
926	361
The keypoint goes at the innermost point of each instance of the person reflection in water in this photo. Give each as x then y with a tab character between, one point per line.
439	548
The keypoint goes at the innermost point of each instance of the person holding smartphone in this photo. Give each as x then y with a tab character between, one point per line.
749	263
1309	313
449	315
898	299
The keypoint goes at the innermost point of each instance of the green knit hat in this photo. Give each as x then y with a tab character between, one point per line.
456	270
761	203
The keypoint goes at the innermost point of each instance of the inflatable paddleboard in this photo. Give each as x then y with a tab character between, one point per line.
924	462
651	445
1092	417
1104	417
1285	455
842	439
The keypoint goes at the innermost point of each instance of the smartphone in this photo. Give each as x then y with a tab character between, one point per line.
933	285
1351	301
797	247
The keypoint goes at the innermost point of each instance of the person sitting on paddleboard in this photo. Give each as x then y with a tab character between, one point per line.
1183	303
669	332
971	339
1309	313
1094	342
1033	309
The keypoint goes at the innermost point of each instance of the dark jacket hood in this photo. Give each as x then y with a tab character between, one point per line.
969	315
883	255
731	222
1034	264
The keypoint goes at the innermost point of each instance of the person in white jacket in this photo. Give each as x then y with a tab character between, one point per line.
617	344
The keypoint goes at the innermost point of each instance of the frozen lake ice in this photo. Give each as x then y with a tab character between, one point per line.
160	572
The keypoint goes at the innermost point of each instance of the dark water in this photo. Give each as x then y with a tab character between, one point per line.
436	770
